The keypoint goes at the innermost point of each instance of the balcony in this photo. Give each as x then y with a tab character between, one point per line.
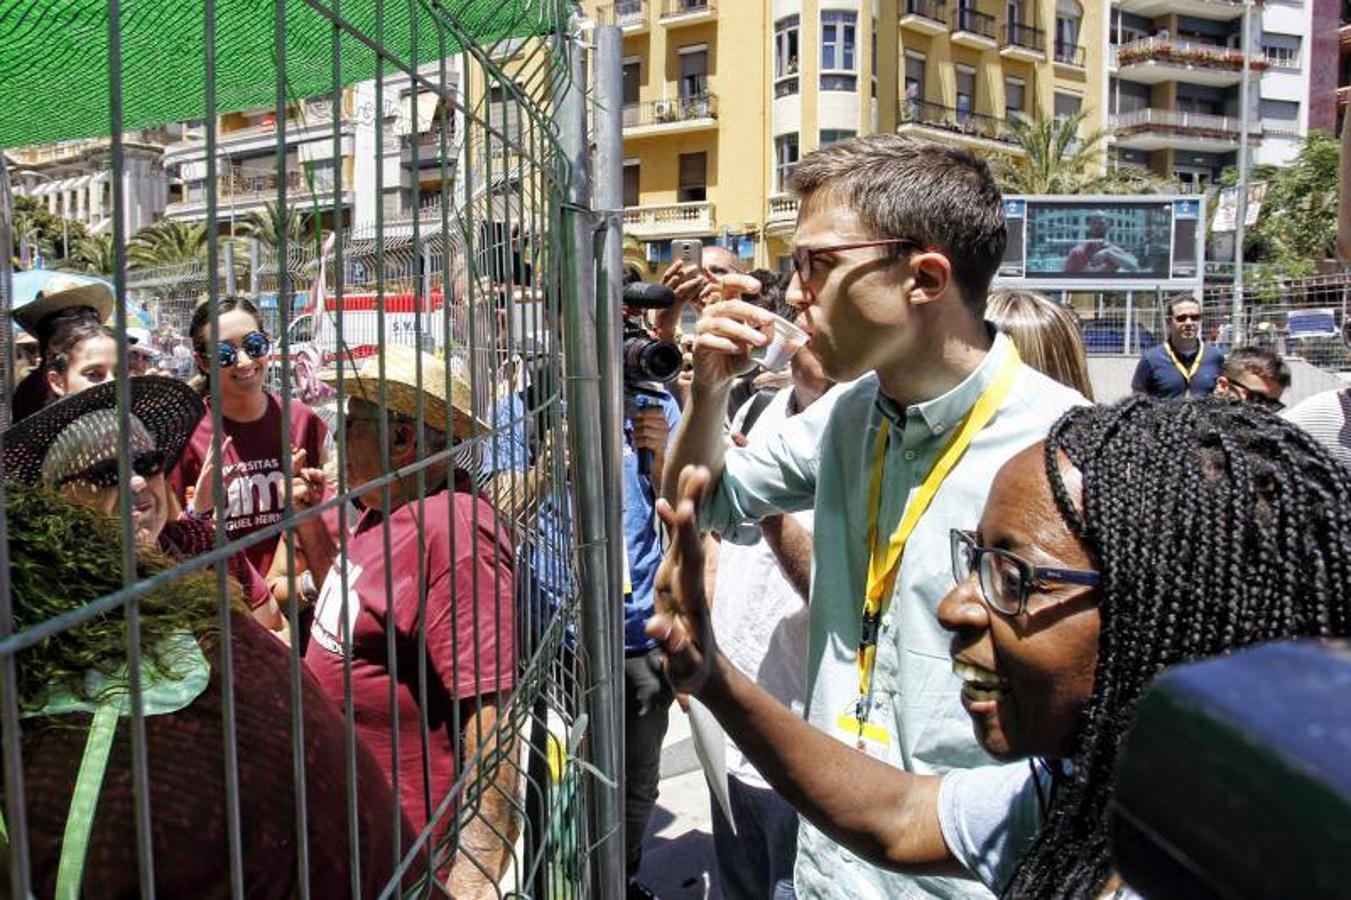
925	16
687	12
1157	59
1344	36
62	151
629	15
1023	42
678	114
782	219
1159	129
1069	56
970	129
1343	95
975	29
669	220
1216	10
239	194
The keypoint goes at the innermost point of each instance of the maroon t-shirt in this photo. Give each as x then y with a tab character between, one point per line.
187	791
469	634
255	497
187	537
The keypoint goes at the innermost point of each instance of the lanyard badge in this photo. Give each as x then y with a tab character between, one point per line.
1187	374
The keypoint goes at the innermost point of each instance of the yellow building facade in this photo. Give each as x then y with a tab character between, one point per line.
722	99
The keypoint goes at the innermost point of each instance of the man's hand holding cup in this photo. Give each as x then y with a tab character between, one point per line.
727	332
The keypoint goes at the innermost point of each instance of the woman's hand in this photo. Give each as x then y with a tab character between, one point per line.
203	499
682	624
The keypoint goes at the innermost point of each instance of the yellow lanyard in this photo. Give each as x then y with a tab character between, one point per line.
882	570
1187	375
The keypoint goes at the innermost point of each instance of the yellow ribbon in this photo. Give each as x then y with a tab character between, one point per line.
1187	375
882	569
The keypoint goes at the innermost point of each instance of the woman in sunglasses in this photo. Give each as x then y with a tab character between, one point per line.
255	431
1137	536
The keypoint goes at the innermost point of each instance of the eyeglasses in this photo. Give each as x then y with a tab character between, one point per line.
802	256
1006	580
1257	397
255	344
1186	317
103	474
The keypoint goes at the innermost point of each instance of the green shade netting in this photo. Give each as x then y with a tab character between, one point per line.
54	60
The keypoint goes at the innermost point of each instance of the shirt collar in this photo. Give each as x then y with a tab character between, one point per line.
941	414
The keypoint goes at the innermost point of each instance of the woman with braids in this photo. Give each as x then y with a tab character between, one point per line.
1136	537
79	792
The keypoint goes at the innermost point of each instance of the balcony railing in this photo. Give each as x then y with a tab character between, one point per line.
928	9
1182	122
624	13
974	22
672	8
681	218
1169	51
936	115
1069	54
1018	35
672	111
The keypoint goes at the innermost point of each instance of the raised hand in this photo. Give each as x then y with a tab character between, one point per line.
727	330
203	498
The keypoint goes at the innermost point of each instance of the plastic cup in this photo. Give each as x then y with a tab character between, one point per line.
786	339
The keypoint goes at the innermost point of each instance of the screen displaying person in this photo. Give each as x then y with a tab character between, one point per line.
1096	254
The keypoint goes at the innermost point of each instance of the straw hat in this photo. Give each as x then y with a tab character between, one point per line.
82	428
401	386
63	292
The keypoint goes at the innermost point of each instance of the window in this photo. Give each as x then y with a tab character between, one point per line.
785	47
631	172
831	135
837	50
966	92
914	86
1015	14
1068	15
632	76
785	157
1067	105
1281	49
693	178
1280	116
693	72
1015	97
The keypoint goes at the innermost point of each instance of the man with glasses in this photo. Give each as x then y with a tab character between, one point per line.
1254	375
1183	365
897	242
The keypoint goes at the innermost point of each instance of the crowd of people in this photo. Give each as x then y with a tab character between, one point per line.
917	576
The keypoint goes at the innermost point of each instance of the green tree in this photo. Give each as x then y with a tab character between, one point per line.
34	221
1057	159
94	254
267	226
167	242
1297	225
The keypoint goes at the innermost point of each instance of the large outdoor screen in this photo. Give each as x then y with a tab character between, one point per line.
1102	242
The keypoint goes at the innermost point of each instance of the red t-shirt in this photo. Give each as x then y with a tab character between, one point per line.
470	635
255	497
187	537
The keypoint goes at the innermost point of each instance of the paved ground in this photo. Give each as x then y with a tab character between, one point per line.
678	850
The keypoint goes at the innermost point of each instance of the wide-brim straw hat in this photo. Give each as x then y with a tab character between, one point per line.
64	292
447	408
168	408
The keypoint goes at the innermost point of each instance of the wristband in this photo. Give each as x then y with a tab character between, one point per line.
196	516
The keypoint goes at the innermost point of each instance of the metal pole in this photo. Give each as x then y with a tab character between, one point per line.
1236	323
229	267
1126	332
599	598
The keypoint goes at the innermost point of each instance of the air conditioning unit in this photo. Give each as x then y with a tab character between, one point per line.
666	110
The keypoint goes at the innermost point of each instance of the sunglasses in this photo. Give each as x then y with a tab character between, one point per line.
103	474
1257	398
1186	317
802	256
1006	580
255	344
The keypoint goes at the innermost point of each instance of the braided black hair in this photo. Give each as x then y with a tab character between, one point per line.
1215	525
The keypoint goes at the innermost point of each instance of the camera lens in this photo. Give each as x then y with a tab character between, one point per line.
646	359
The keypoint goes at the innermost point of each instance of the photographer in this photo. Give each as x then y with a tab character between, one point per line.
650	417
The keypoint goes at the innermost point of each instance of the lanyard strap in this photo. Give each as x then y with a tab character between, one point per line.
84	802
882	569
1187	374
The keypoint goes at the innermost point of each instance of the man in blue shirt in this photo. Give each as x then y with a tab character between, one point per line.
1182	365
647	694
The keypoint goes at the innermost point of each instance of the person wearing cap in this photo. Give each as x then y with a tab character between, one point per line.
72	446
74	348
435	566
141	353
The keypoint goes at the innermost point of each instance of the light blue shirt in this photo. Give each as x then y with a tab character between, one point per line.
823	459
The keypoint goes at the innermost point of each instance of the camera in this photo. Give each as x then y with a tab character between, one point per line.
649	362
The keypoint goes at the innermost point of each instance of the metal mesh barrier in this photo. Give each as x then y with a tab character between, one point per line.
408	488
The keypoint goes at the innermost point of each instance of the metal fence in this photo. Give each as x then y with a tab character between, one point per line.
469	633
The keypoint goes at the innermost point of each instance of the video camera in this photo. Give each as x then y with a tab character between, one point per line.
649	362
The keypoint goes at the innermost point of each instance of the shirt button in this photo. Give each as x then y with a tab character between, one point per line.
939	428
910	455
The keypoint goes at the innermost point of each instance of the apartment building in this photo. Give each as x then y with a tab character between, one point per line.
1176	84
721	100
74	180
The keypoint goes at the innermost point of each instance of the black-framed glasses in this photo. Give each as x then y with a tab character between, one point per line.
1006	580
1258	397
802	256
1187	317
103	474
255	344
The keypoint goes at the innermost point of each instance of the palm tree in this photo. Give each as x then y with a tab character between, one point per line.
166	243
94	255
1056	159
268	225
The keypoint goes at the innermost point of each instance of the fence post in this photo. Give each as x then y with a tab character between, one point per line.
255	277
1126	331
599	600
6	334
